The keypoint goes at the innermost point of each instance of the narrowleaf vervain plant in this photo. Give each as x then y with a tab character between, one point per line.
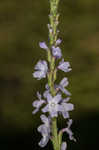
52	102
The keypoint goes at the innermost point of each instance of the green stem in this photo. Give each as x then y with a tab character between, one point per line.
53	17
55	135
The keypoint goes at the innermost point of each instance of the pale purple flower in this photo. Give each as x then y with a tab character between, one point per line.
46	121
44	129
41	70
64	83
56	51
44	132
43	45
66	107
68	130
38	103
64	66
53	106
58	42
63	146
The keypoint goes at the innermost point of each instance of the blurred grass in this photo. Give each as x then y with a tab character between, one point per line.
22	25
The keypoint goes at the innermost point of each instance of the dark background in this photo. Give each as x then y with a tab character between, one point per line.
22	25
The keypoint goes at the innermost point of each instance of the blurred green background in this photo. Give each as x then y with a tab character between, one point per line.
22	25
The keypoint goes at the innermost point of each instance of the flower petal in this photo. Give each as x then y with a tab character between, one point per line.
46	93
44	141
58	41
35	111
70	133
68	106
64	82
49	97
65	91
57	98
53	113
45	109
38	103
68	130
44	119
42	129
66	99
65	114
64	66
43	45
39	75
60	108
64	146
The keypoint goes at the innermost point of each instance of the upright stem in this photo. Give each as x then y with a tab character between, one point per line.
53	33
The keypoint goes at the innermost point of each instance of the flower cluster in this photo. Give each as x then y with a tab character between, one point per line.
42	66
53	105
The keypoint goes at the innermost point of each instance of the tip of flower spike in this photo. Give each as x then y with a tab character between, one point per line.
43	45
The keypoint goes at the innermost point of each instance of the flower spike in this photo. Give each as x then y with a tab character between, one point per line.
52	102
